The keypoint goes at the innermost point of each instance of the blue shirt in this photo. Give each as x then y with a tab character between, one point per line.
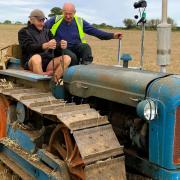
70	33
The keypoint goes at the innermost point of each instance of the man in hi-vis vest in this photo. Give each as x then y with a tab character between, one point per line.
72	28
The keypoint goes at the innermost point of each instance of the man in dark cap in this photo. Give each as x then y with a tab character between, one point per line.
38	47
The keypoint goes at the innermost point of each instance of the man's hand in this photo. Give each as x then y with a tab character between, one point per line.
63	44
50	45
118	35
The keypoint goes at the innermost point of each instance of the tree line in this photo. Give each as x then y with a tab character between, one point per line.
128	23
150	24
10	22
53	12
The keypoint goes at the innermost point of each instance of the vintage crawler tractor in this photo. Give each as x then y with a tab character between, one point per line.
83	128
66	139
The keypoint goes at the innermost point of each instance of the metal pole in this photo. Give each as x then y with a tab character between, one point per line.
62	64
164	11
119	51
163	69
142	47
53	63
164	40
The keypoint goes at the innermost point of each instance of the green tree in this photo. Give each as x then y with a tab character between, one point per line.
18	22
152	23
55	11
7	22
171	21
129	23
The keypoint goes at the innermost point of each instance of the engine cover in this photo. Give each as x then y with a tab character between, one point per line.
121	85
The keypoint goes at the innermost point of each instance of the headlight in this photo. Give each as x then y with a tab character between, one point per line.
147	109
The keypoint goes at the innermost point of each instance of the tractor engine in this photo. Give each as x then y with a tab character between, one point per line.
143	108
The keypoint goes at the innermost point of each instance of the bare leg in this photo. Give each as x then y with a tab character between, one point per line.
35	65
56	64
58	67
60	70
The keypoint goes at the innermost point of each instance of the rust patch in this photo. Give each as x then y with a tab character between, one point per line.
4	104
177	138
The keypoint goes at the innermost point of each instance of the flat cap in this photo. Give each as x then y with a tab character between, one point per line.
37	13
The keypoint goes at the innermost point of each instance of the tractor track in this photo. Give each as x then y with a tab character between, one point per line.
96	147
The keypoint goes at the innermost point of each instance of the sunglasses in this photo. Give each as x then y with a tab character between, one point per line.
40	19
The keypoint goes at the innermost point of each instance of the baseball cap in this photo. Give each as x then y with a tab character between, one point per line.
38	14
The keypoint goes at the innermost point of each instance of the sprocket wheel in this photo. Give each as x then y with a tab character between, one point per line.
62	144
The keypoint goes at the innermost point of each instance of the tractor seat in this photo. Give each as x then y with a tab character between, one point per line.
12	57
13	65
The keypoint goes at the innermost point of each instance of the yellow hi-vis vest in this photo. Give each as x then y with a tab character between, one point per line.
79	23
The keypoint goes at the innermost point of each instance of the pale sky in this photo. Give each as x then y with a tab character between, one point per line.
111	12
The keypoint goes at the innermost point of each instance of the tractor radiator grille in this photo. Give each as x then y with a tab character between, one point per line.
177	138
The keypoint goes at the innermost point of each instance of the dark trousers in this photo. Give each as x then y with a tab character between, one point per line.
80	54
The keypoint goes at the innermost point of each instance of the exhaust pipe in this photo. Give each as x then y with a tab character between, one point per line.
163	40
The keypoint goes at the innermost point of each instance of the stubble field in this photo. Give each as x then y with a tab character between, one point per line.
105	52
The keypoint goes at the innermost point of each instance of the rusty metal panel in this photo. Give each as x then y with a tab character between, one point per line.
111	169
82	120
177	138
97	143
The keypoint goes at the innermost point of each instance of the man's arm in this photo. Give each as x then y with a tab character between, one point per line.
49	23
90	30
26	42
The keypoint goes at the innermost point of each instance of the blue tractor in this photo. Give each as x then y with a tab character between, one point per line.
79	127
101	123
